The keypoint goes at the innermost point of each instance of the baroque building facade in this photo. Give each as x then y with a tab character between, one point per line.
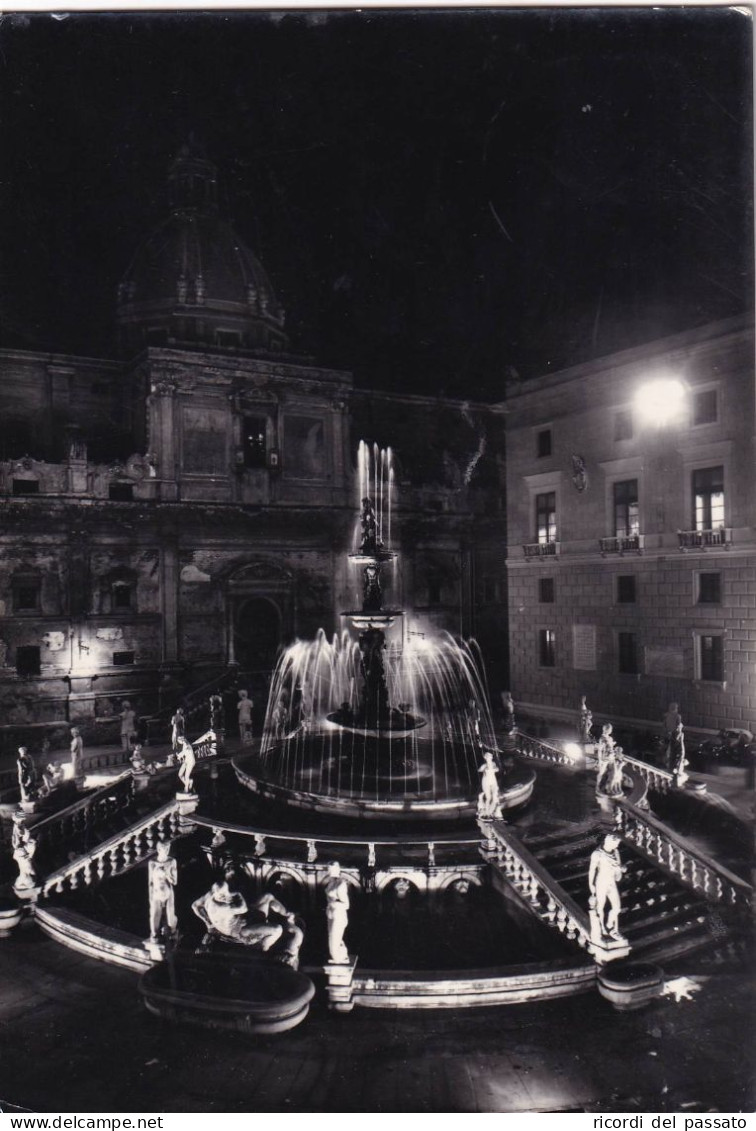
184	510
632	552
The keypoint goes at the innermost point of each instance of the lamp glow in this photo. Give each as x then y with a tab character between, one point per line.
660	402
572	750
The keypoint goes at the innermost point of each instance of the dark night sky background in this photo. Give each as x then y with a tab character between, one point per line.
438	197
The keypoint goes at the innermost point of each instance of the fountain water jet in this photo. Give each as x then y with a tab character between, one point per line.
370	725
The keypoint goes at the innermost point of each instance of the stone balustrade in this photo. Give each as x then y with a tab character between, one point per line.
533	551
701	539
530	747
117	854
84	815
528	876
373	852
677	856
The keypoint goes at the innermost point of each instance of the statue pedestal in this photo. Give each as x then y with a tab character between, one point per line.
187	803
605	949
155	949
339	978
29	895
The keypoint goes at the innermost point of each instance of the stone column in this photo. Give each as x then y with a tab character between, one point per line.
162	409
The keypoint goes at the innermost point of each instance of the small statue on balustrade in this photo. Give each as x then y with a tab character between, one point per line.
244	708
27	776
677	759
672	720
614	774
507	703
23	846
489	799
128	725
178	727
604	874
225	913
187	763
604	758
585	721
162	879
217	714
337	913
77	754
52	777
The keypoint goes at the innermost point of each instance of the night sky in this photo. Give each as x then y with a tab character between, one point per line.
440	198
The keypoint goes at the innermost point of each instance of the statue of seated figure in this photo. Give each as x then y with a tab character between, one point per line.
226	915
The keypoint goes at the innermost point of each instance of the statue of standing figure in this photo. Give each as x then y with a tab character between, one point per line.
369	543
606	768
27	777
24	846
178	724
244	709
337	913
507	703
604	874
489	799
77	754
585	721
677	759
162	878
188	762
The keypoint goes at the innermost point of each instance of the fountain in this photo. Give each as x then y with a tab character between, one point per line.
376	721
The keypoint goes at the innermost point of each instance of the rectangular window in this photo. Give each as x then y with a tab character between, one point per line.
708	498
25	487
27	660
711	658
546	590
26	596
546	647
623	425
121	596
626	589
543	443
546	517
709	589
626	513
627	653
705	407
255	446
121	492
121	659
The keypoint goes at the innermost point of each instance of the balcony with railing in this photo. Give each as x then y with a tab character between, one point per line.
622	544
536	550
718	538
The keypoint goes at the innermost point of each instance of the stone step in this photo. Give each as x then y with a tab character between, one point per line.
683	916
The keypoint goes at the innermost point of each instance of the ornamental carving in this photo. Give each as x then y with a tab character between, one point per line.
579	474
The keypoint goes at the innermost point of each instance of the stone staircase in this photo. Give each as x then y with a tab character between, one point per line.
661	918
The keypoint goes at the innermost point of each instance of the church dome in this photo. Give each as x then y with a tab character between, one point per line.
193	281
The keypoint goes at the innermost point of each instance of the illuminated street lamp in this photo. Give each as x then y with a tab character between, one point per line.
661	401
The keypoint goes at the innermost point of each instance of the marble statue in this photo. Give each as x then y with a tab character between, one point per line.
337	913
226	915
187	763
24	846
489	801
604	873
614	774
138	764
162	878
77	753
585	721
507	703
672	719
51	778
178	724
128	725
369	544
244	708
677	759
605	759
27	776
217	720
